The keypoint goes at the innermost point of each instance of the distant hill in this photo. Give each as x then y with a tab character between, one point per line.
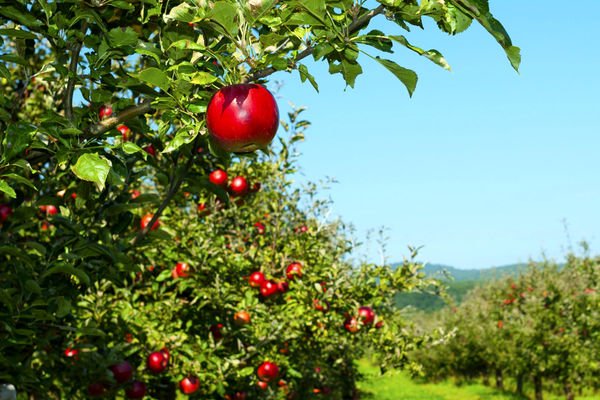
463	280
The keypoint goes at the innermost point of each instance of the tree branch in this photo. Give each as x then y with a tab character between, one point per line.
68	100
126	114
355	26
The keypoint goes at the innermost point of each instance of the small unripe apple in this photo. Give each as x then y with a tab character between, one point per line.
242	118
189	385
136	390
256	279
122	372
239	186
218	177
267	371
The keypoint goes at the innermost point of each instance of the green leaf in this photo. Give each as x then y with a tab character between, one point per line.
4	187
17	139
376	39
349	70
21	17
407	77
164	275
68	270
182	12
131	148
202	78
32	286
292	372
432	55
514	56
4	72
182	137
119	37
155	77
20	179
304	75
246	371
93	168
17	33
64	307
225	15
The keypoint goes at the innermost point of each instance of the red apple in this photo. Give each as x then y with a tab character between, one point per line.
174	273
294	270
71	353
257	279
136	390
379	325
218	177
122	371
5	212
282	287
366	315
267	371
241	318
150	150
215	330
51	210
95	389
105	111
242	117
157	362
268	288
260	228
135	194
166	354
183	270
146	220
239	186
351	324
124	131
262	385
189	385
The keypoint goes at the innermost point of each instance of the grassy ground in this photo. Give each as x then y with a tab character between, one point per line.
401	387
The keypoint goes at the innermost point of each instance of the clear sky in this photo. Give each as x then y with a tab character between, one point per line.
482	166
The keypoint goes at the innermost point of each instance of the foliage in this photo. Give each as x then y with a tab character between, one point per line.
72	73
538	327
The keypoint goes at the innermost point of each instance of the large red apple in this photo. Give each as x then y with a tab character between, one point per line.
366	315
218	177
189	385
137	390
242	117
122	371
256	279
157	362
267	371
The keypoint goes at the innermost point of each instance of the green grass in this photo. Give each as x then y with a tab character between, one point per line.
399	386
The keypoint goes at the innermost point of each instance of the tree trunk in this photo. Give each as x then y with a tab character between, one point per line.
569	394
537	383
520	384
499	380
486	378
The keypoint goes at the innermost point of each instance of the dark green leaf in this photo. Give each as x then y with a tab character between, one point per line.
407	77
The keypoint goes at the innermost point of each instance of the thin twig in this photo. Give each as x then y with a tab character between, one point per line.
68	101
126	114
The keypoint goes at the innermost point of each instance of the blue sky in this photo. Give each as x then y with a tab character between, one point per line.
482	166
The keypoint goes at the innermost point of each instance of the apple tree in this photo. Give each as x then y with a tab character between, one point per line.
104	129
